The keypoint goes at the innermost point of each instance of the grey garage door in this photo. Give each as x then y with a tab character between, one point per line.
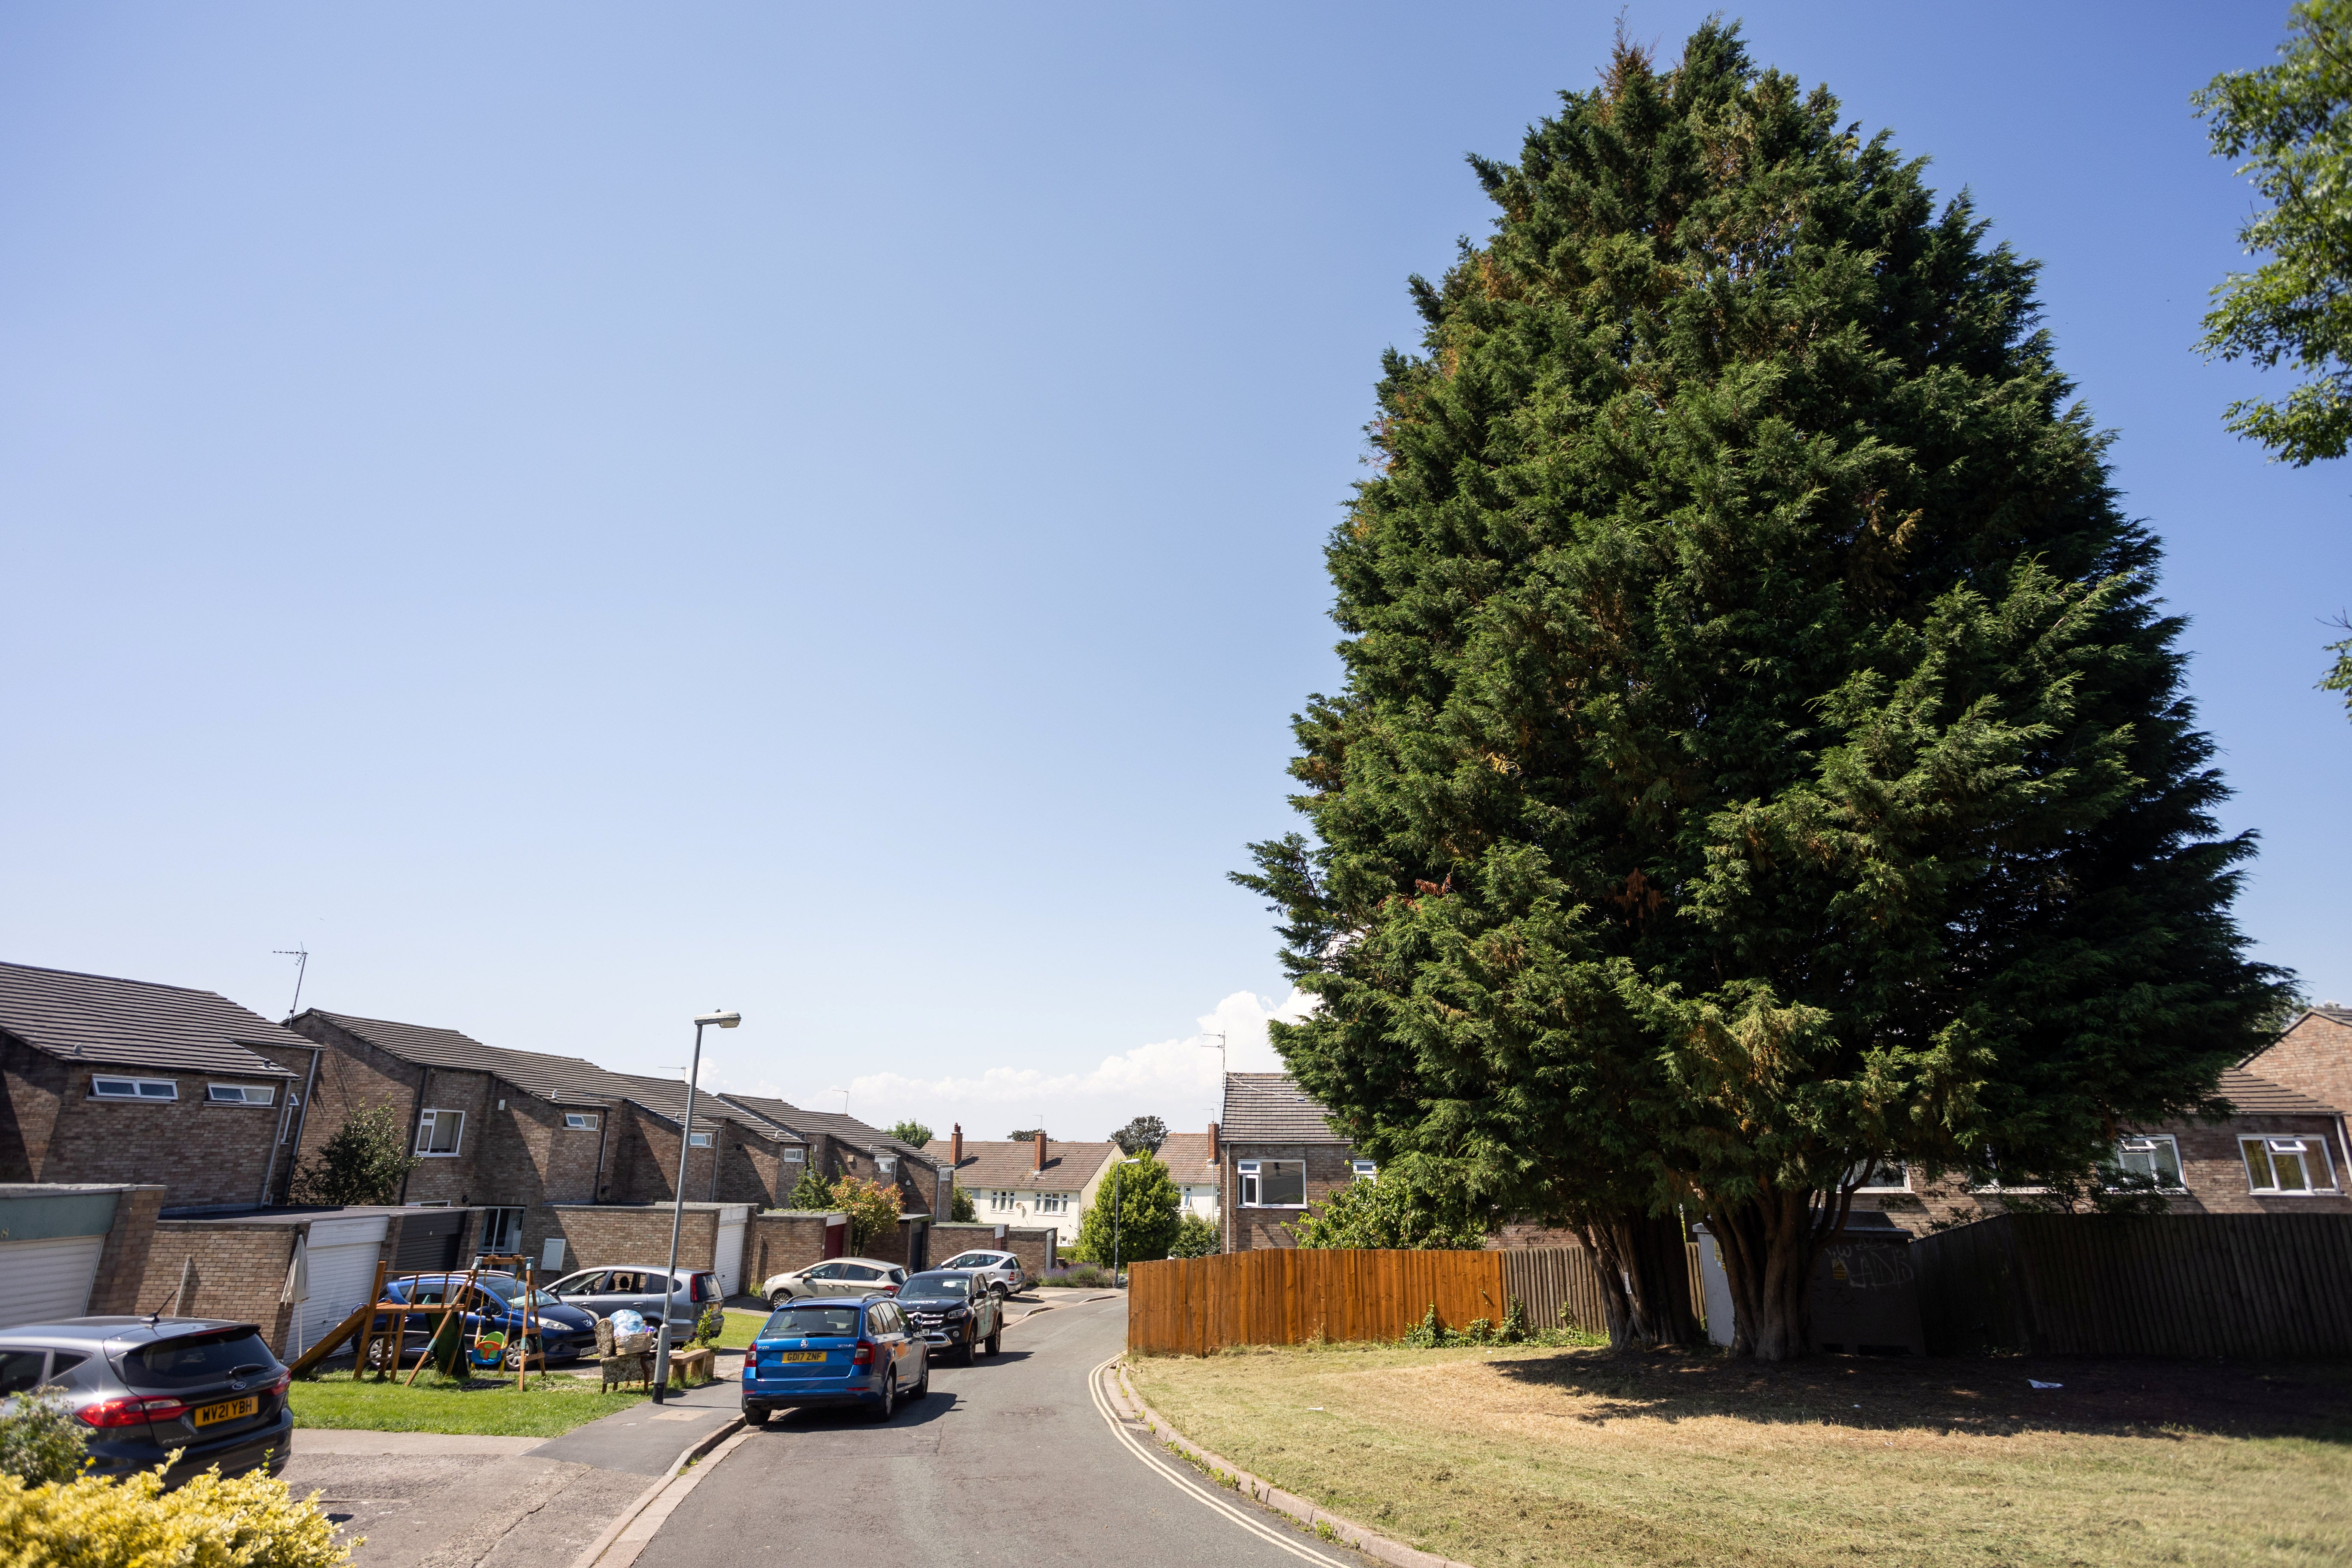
42	1281
428	1240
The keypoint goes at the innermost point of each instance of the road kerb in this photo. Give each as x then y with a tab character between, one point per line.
1345	1531
626	1536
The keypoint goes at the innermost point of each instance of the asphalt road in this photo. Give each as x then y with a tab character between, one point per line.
1011	1461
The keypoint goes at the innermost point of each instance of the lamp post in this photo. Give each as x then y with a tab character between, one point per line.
677	1202
1117	1171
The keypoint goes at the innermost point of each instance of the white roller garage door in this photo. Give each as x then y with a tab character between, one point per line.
342	1257
730	1261
41	1281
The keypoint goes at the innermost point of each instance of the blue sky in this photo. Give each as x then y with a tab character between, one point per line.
579	514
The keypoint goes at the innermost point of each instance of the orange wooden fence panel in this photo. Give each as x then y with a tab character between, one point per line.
1287	1296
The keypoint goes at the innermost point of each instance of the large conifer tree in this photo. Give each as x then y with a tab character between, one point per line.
1760	752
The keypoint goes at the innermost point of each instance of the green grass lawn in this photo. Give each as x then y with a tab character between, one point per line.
741	1325
549	1407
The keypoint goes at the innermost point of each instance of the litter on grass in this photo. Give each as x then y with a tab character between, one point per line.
2037	1383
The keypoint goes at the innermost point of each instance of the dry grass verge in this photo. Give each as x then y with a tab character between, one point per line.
1499	1457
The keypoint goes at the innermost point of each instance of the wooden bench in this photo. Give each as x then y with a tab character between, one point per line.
684	1366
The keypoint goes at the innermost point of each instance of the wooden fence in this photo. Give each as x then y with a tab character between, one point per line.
2257	1286
1560	1286
1287	1296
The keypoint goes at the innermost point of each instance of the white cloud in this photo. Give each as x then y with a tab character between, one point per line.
1174	1080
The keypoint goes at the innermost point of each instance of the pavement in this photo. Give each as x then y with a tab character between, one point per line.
1014	1461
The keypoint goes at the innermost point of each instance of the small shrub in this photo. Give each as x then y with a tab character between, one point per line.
98	1521
1481	1332
1515	1324
712	1324
40	1440
1429	1334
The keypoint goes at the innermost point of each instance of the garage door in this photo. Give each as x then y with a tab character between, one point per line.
730	1261
428	1240
342	1270
41	1281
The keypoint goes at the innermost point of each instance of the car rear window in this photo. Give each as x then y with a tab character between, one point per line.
186	1360
809	1322
705	1287
939	1285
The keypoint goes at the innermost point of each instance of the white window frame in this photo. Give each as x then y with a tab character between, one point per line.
1365	1170
1053	1203
697	1139
999	1203
580	1121
428	1132
241	1094
795	1156
2306	1144
1252	1174
886	1164
2150	1141
1875	1179
138	1090
493	1219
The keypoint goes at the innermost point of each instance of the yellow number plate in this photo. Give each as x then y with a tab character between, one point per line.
229	1412
801	1356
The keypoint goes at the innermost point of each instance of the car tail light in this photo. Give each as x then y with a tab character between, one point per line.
863	1354
132	1412
285	1381
889	1289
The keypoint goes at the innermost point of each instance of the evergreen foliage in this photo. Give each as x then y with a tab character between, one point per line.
1761	751
812	1191
961	1210
1399	1209
40	1440
1142	1136
1145	1199
911	1131
363	1162
1195	1238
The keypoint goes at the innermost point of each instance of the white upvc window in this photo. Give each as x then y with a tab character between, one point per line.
2151	1155
1365	1170
699	1140
1877	1176
886	1163
2289	1165
580	1121
241	1093
133	1088
437	1131
999	1203
795	1156
1273	1183
1053	1203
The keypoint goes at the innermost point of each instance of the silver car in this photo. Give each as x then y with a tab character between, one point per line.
834	1277
604	1291
1002	1270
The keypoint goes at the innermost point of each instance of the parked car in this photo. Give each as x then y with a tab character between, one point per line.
835	1349
953	1309
601	1292
1002	1270
563	1332
146	1386
834	1277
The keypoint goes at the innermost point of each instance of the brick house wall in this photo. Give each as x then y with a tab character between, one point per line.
354	1076
607	1235
1035	1246
205	1154
1249	1229
2313	1058
122	1265
789	1239
645	1163
230	1270
526	1157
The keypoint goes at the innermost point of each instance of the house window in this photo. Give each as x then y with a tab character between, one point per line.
699	1140
1365	1170
1053	1203
1274	1183
437	1131
886	1163
2156	1155
580	1121
2288	1164
133	1088
999	1203
794	1156
240	1093
502	1231
1877	1176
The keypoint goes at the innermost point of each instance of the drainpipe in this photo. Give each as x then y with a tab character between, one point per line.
596	1182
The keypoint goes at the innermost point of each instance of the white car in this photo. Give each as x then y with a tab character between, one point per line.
1002	1270
835	1276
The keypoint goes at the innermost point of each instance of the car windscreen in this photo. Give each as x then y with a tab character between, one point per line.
809	1322
938	1285
185	1361
509	1291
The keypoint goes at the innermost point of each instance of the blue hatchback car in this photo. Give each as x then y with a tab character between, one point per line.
835	1349
564	1333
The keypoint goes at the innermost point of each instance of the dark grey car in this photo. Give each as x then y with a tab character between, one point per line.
604	1291
141	1387
952	1309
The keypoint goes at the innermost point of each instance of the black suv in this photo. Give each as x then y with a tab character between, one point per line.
144	1386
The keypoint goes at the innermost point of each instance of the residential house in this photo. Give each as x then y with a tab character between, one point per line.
2312	1057
1031	1183
843	1146
110	1082
1276	1153
1192	1162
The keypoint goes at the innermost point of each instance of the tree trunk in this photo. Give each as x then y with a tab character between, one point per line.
1769	1246
1644	1279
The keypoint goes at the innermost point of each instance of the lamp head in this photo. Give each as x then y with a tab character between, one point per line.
724	1020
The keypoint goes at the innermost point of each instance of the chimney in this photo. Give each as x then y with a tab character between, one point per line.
1040	1150
955	1148
1212	1142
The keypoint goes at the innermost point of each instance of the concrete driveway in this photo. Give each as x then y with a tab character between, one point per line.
1011	1461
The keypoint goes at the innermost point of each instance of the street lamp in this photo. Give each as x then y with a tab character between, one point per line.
1116	1172
678	1204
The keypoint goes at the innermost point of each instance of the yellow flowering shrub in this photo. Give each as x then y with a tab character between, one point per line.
99	1523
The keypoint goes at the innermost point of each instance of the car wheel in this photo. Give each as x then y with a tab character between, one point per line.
996	1336
778	1298
384	1355
923	1387
888	1406
971	1347
998	1290
755	1415
512	1361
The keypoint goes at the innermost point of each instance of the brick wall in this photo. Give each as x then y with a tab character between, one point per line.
122	1266
786	1240
645	1164
2314	1058
1328	1170
596	1235
354	1076
1035	1246
203	1152
231	1271
288	1115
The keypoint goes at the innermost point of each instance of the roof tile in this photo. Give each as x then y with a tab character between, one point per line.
138	1023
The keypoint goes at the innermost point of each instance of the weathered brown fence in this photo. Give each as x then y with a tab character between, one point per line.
2251	1285
1287	1296
1560	1285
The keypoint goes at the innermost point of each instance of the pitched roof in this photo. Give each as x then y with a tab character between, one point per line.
841	1129
667	1100
1186	1155
2260	1096
137	1023
561	1080
1270	1108
1011	1167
